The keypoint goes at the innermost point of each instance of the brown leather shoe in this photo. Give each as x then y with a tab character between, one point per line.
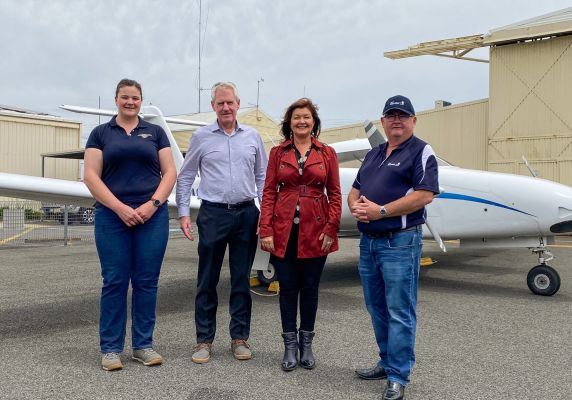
202	353
240	349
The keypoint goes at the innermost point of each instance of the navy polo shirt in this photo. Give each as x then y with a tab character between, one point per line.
411	166
131	168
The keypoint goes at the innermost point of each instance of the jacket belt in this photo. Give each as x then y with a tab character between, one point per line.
303	190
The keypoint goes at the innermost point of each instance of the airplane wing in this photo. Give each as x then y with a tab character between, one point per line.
45	189
69	192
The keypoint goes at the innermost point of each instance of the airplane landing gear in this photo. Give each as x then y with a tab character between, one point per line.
543	280
267	276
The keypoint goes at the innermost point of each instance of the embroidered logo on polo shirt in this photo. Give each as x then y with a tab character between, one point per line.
394	164
144	135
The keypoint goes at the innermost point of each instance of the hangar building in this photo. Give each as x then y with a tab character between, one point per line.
529	109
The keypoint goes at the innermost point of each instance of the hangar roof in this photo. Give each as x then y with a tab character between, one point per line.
556	23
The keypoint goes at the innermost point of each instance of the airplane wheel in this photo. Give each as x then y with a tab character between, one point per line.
543	280
87	216
267	276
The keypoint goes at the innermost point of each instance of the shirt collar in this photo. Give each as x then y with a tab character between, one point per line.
315	143
141	123
400	146
214	127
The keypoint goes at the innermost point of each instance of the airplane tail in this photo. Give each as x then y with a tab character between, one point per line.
374	136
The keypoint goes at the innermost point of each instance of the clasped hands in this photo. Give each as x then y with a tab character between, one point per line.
365	210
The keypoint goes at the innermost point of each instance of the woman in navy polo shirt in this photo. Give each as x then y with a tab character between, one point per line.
129	170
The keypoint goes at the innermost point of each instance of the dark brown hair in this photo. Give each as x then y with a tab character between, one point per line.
128	82
304	102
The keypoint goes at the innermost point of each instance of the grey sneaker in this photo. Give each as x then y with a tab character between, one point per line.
240	349
148	357
111	361
202	353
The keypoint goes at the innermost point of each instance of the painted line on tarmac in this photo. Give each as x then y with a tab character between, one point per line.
9	239
563	246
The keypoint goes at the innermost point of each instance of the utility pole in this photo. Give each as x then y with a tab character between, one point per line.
258	96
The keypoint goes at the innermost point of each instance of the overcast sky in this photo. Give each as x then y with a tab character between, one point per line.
74	51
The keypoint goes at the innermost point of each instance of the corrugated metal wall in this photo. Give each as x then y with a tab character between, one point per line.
23	139
457	133
530	108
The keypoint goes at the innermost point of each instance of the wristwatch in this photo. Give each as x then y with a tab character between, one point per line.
156	202
382	212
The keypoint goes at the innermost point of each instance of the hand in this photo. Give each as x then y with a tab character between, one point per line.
146	210
326	242
365	210
186	227
128	215
267	243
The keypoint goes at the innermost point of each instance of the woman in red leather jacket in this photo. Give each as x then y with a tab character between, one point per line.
299	223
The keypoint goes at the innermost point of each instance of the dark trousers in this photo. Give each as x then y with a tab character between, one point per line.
219	227
129	254
299	278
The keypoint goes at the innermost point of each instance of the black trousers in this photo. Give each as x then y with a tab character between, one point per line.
299	278
219	227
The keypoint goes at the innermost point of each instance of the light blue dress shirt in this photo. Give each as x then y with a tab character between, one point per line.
232	167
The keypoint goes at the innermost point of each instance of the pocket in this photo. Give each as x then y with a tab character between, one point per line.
403	240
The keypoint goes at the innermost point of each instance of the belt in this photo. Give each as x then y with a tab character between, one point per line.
227	206
388	235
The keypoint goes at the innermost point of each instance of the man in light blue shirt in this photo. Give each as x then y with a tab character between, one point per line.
232	162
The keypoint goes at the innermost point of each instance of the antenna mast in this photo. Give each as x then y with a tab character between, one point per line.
200	28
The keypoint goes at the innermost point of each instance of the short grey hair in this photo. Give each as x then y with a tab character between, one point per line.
227	85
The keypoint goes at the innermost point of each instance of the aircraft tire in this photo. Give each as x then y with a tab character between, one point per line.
267	276
543	280
87	216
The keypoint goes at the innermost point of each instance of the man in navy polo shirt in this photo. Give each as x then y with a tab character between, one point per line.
394	184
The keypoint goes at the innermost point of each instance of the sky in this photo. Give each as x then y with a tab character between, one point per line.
74	52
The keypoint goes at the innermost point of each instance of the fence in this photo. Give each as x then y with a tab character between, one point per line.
31	222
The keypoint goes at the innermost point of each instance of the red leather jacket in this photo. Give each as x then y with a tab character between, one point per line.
320	211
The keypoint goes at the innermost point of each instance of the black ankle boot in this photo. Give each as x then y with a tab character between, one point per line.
306	356
290	360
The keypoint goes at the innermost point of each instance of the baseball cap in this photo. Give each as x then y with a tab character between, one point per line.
400	103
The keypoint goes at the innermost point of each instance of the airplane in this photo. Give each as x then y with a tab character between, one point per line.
478	208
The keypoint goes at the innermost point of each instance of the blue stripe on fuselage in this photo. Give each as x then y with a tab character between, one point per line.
455	196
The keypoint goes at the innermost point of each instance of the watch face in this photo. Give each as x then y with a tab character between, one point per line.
157	203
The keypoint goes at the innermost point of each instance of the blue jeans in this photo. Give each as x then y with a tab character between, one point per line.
389	271
129	254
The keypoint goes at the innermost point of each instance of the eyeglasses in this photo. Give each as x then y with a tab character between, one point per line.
394	117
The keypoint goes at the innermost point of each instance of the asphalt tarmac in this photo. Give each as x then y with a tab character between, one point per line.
481	333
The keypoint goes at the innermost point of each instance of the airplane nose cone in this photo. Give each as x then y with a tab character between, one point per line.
562	227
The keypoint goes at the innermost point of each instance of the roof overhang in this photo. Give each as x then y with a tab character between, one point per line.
453	48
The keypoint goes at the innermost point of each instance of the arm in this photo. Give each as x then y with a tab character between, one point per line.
367	210
266	232
334	197
185	182
93	167
260	166
168	179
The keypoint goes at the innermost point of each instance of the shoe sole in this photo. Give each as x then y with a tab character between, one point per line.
148	363
371	379
200	360
116	367
242	358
